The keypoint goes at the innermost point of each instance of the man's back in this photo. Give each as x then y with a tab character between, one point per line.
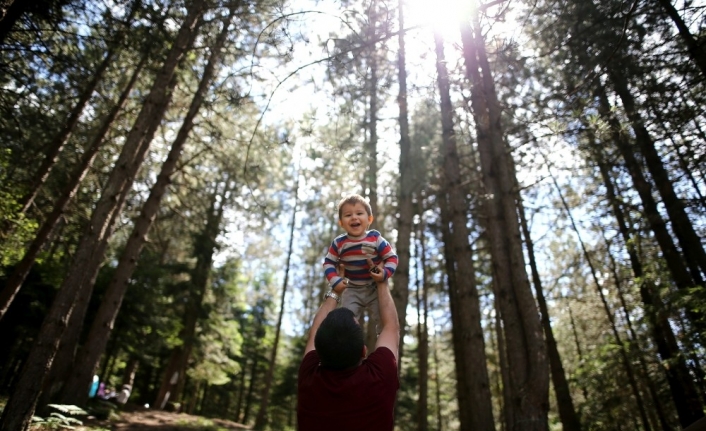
360	398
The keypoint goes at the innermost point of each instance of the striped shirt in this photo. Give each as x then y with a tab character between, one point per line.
353	253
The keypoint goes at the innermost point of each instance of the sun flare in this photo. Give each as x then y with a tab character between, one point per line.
443	16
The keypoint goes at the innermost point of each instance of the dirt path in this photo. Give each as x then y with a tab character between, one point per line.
155	420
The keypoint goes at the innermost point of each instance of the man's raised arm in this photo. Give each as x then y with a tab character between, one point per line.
390	333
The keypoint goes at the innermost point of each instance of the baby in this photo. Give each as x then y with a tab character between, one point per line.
356	250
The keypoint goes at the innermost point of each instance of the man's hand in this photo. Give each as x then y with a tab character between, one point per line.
376	272
340	287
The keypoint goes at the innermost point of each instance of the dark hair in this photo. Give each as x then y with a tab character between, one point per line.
354	199
339	340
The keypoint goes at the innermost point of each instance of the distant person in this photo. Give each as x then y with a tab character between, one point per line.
123	395
338	387
353	249
109	394
94	387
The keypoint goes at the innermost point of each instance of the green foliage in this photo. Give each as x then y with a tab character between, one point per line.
17	229
57	420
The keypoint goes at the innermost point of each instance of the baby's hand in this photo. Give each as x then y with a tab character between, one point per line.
341	271
376	272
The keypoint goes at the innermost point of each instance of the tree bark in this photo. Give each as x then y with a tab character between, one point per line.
78	382
680	275
69	340
682	226
19	274
57	144
565	404
407	185
422	333
696	51
469	333
18	411
437	386
372	152
526	351
261	418
606	307
14	9
657	414
204	249
681	385
460	368
251	389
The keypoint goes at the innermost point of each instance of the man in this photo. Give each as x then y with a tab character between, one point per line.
339	388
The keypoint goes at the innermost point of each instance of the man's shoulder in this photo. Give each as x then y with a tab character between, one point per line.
383	354
310	360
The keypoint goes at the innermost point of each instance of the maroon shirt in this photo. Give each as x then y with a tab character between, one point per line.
360	398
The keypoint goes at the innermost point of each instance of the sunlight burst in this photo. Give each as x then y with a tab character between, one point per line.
443	16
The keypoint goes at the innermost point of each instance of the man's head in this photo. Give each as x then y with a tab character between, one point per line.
354	215
339	340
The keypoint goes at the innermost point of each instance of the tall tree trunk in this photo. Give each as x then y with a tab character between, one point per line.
657	413
14	282
567	412
68	345
130	370
682	226
64	358
194	398
526	351
14	9
678	141
204	248
680	275
241	395
450	264
170	379
469	333
261	418
695	50
108	361
422	332
406	187
251	389
606	307
372	151
18	411
681	385
577	343
437	385
59	141
508	413
89	357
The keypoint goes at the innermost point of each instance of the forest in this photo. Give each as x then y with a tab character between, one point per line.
170	170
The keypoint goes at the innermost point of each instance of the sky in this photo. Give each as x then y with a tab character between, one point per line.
300	86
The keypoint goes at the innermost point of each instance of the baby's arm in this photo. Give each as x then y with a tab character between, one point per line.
330	266
388	256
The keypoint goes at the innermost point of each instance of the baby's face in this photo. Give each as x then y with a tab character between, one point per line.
354	219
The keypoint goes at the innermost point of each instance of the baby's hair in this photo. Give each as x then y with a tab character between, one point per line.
354	199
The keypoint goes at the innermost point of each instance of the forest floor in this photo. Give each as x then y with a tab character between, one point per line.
156	420
152	420
136	418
